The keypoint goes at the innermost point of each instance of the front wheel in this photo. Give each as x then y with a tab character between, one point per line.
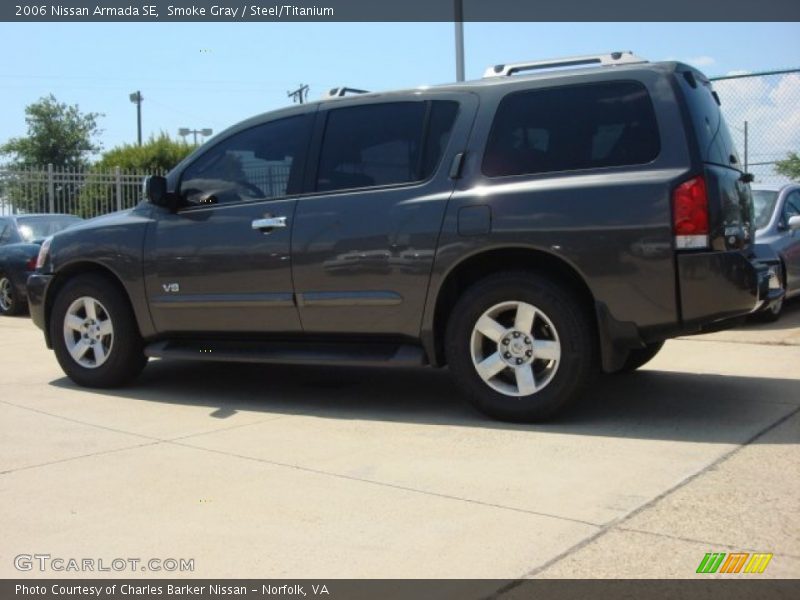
521	346
94	333
10	303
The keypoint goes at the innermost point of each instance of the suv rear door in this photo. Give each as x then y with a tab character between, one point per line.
366	230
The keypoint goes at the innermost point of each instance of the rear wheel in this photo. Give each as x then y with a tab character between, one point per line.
521	346
94	333
639	357
10	303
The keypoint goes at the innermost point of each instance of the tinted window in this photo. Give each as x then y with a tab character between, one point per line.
262	162
569	128
791	208
713	136
440	124
375	144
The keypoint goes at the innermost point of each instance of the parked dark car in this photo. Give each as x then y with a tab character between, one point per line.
525	230
20	239
777	210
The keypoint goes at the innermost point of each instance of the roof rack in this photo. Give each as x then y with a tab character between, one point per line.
605	60
340	92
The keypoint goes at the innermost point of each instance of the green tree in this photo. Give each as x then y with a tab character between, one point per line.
58	134
159	154
790	166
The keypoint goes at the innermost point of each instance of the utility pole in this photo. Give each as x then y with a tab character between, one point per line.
459	22
136	98
299	95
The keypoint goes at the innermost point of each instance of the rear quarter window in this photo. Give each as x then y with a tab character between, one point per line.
571	128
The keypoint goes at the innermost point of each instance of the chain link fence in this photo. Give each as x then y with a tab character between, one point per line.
763	113
86	193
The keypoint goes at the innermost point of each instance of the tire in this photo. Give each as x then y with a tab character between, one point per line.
517	386
10	302
104	351
768	316
638	357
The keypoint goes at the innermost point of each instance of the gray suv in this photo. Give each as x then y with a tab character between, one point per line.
528	230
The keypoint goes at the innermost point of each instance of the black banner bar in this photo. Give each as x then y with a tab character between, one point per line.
737	588
397	10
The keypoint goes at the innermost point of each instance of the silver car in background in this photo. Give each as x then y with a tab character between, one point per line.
777	215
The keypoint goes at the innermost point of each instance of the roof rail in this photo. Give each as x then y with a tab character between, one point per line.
605	60
339	92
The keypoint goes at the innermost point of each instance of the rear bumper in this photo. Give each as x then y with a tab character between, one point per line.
718	286
37	292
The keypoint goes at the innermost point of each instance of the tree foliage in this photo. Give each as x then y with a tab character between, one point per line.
790	166
159	154
58	134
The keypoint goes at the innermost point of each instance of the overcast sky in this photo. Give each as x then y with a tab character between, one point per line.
215	74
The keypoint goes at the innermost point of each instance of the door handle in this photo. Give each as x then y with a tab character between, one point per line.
269	223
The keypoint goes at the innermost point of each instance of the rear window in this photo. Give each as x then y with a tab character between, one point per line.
713	137
570	128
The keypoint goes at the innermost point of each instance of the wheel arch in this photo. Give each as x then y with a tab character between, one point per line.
472	268
69	272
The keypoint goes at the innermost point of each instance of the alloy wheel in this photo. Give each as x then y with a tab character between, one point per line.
515	348
88	332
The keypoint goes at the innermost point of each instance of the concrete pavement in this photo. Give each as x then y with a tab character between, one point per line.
308	472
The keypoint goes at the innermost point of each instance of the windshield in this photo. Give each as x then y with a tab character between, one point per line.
764	204
37	228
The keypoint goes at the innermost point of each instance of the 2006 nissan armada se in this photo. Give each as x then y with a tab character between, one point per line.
527	230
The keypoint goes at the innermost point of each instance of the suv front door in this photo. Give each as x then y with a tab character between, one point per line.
366	229
221	263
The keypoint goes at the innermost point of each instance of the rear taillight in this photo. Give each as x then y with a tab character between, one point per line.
31	264
690	214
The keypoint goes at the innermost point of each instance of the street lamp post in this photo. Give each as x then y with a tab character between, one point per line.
184	131
136	98
459	22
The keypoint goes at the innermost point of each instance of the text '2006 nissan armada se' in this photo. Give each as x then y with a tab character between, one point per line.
526	230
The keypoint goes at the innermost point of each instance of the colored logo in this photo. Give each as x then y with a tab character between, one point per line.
736	562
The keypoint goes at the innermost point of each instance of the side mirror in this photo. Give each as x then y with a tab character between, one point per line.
794	223
155	190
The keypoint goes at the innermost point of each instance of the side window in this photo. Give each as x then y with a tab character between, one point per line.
791	208
440	124
571	128
263	162
8	232
382	144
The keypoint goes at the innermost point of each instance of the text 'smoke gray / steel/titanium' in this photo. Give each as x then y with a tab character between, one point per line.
528	230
